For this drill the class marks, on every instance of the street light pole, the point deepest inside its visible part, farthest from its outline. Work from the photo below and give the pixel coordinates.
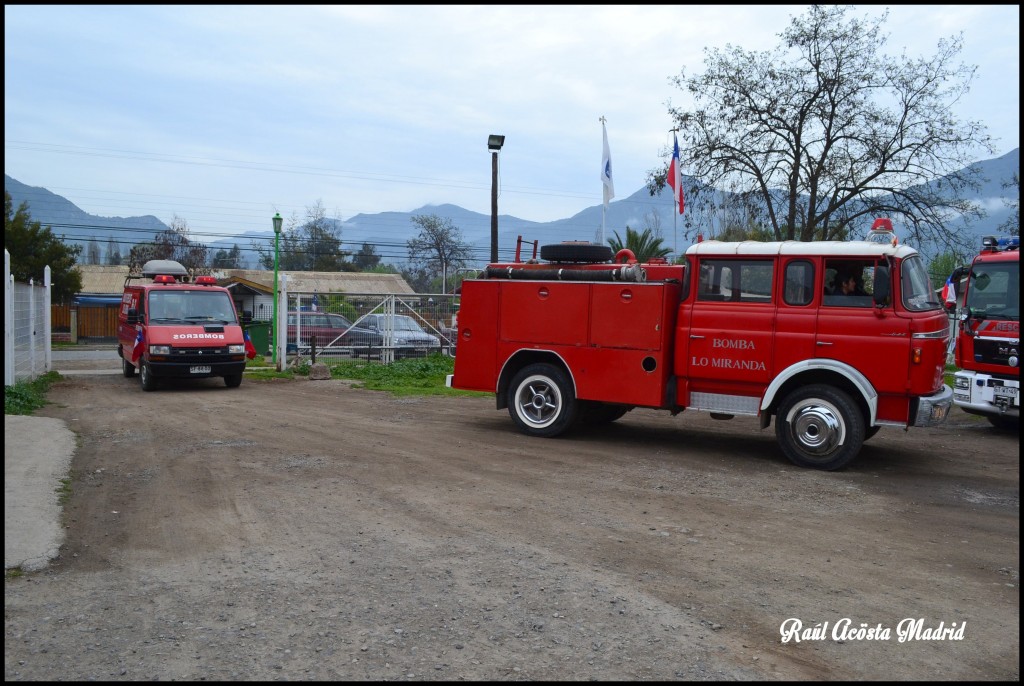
(277, 234)
(494, 143)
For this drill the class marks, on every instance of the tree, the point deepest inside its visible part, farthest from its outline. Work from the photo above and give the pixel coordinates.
(92, 253)
(113, 255)
(643, 244)
(437, 250)
(172, 244)
(33, 248)
(1012, 223)
(943, 265)
(825, 132)
(367, 258)
(314, 245)
(227, 259)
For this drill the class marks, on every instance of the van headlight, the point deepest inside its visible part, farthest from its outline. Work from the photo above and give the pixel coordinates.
(962, 382)
(236, 349)
(159, 350)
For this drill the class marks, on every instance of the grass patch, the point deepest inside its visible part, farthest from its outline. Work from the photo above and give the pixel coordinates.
(64, 490)
(419, 376)
(25, 397)
(13, 573)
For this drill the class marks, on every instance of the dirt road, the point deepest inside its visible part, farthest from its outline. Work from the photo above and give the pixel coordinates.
(312, 530)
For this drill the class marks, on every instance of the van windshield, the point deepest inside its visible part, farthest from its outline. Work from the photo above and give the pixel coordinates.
(191, 306)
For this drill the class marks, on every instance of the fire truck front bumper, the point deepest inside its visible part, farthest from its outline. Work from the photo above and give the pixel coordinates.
(932, 410)
(983, 394)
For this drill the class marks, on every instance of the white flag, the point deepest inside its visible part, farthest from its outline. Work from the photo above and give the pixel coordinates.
(606, 169)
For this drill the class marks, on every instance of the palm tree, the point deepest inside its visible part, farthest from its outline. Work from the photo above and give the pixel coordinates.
(643, 245)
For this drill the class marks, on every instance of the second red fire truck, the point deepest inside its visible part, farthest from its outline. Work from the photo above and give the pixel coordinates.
(832, 340)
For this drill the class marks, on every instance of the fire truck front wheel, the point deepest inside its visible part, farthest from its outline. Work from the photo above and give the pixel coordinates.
(541, 400)
(820, 427)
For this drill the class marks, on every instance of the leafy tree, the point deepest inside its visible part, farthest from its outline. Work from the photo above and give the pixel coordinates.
(438, 250)
(33, 248)
(227, 259)
(367, 258)
(314, 245)
(823, 133)
(113, 255)
(643, 244)
(172, 244)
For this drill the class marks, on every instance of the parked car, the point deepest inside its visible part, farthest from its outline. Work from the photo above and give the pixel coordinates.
(410, 340)
(332, 333)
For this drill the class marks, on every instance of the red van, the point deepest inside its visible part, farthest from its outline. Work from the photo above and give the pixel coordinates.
(169, 327)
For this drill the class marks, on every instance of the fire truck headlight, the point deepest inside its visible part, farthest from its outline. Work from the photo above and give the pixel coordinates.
(159, 350)
(962, 382)
(236, 349)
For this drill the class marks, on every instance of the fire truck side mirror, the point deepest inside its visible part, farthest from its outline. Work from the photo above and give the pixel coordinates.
(881, 287)
(133, 316)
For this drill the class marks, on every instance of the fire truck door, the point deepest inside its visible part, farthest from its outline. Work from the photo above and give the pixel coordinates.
(875, 342)
(731, 328)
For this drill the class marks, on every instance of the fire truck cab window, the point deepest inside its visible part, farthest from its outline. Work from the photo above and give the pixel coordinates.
(748, 281)
(847, 283)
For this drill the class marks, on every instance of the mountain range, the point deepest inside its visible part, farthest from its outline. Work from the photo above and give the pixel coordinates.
(390, 230)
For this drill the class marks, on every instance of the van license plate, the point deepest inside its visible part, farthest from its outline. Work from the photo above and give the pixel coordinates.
(1007, 391)
(199, 370)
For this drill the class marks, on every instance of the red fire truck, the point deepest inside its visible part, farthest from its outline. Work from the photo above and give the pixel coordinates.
(833, 339)
(169, 327)
(988, 338)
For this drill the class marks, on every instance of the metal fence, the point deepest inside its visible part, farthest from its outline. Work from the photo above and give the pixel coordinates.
(405, 325)
(26, 327)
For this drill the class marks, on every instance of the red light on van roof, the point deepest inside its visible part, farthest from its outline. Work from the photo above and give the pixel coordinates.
(206, 281)
(164, 278)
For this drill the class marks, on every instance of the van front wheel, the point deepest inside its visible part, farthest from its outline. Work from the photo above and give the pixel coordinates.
(233, 380)
(146, 377)
(127, 368)
(819, 427)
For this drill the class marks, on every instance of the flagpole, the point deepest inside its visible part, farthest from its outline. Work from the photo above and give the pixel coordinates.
(675, 217)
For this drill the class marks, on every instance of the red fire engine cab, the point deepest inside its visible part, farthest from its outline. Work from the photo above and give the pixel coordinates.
(169, 327)
(988, 338)
(832, 339)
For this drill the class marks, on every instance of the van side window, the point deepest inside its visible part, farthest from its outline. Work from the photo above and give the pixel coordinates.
(747, 281)
(799, 283)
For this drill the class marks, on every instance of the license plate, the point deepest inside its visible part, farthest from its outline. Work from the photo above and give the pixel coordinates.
(195, 369)
(1005, 391)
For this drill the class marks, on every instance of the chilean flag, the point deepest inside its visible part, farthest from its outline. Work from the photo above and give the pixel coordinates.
(250, 349)
(949, 291)
(137, 348)
(674, 175)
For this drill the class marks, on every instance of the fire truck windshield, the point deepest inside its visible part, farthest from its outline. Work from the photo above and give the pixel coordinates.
(190, 305)
(993, 291)
(918, 294)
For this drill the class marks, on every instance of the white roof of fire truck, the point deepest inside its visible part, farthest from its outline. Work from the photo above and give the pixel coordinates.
(828, 248)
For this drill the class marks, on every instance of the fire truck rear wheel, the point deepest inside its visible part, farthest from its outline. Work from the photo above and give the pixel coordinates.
(127, 368)
(541, 400)
(819, 427)
(146, 378)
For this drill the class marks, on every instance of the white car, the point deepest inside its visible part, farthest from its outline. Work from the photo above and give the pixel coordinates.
(410, 340)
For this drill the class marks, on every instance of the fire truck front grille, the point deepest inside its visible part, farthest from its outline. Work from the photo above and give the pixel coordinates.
(995, 351)
(199, 355)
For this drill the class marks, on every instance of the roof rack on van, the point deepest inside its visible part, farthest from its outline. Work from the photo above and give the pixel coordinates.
(153, 269)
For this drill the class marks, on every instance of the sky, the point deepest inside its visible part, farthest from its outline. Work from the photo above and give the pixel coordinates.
(223, 115)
